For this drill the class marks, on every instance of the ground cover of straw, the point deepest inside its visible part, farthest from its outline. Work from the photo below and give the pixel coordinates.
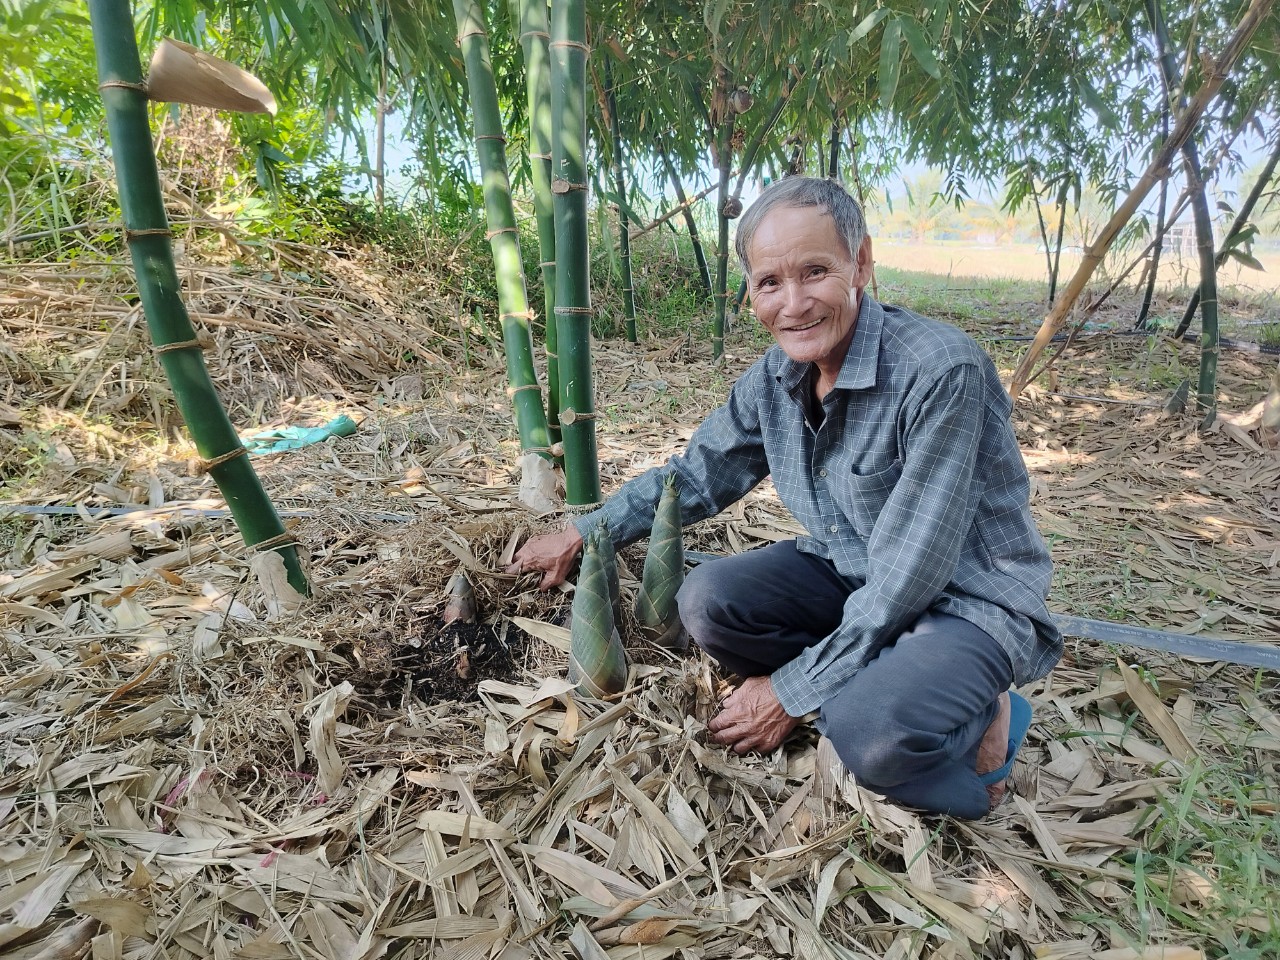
(190, 769)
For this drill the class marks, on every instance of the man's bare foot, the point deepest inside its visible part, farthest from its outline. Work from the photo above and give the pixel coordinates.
(994, 749)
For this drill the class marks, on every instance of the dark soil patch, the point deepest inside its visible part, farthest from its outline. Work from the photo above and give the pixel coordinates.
(447, 661)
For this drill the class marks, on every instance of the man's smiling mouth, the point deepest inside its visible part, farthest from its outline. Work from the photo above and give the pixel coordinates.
(807, 326)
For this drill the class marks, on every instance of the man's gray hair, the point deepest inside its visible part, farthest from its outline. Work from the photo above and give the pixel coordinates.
(821, 192)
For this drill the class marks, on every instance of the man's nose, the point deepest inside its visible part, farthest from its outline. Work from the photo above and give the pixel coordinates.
(794, 300)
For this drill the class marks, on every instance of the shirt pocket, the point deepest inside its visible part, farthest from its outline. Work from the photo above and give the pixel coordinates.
(864, 495)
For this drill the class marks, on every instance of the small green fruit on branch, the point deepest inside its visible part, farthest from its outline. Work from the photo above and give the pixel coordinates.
(597, 662)
(663, 574)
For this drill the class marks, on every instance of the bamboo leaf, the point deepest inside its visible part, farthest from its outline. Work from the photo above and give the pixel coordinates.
(920, 49)
(868, 24)
(890, 61)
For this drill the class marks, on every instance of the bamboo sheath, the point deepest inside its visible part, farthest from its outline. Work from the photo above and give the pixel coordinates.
(151, 250)
(535, 34)
(656, 607)
(573, 294)
(504, 240)
(597, 661)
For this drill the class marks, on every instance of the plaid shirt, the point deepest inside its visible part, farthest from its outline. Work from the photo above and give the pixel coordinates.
(912, 486)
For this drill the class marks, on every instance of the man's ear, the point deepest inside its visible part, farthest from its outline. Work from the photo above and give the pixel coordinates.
(865, 261)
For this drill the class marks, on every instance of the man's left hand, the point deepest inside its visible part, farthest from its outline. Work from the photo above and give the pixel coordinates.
(751, 718)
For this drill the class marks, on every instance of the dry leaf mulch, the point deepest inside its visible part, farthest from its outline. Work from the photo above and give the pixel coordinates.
(188, 771)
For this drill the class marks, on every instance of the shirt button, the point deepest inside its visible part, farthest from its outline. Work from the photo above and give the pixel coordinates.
(822, 472)
(833, 528)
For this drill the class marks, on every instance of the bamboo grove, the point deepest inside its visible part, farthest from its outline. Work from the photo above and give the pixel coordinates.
(608, 99)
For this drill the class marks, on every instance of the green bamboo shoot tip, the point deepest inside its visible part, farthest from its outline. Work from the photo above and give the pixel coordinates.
(609, 559)
(656, 607)
(597, 661)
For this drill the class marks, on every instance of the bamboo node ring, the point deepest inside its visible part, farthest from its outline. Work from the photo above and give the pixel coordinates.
(490, 234)
(131, 235)
(471, 33)
(522, 315)
(571, 44)
(200, 465)
(285, 539)
(571, 311)
(512, 391)
(122, 85)
(163, 348)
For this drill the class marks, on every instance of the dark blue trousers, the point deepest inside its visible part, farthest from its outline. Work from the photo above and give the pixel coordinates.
(908, 725)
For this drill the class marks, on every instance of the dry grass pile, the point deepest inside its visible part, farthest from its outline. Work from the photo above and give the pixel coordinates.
(281, 322)
(185, 771)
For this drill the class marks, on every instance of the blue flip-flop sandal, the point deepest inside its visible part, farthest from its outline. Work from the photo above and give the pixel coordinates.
(1019, 724)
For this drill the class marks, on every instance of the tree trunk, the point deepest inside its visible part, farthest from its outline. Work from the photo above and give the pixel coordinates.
(1044, 236)
(689, 221)
(620, 187)
(1157, 241)
(380, 142)
(151, 250)
(723, 135)
(862, 198)
(504, 237)
(1057, 246)
(1206, 392)
(534, 36)
(1094, 253)
(833, 157)
(573, 278)
(1237, 225)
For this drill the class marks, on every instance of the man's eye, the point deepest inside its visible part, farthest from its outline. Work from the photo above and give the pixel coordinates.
(817, 271)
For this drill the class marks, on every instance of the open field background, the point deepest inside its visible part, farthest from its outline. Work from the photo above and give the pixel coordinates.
(1021, 261)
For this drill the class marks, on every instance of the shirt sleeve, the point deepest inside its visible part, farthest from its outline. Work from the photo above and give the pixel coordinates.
(724, 460)
(915, 543)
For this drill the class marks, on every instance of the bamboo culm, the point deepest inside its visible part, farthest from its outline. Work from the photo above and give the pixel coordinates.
(1206, 393)
(534, 29)
(151, 250)
(573, 268)
(698, 254)
(620, 186)
(504, 238)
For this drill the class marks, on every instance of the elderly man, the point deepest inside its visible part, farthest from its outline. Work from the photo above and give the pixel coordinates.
(917, 597)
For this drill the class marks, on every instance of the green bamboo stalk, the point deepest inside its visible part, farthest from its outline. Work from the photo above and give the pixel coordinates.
(573, 270)
(597, 661)
(535, 33)
(620, 187)
(1237, 227)
(151, 250)
(703, 271)
(656, 607)
(1206, 392)
(723, 159)
(504, 238)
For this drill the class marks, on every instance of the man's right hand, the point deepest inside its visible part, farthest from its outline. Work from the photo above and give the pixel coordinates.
(552, 553)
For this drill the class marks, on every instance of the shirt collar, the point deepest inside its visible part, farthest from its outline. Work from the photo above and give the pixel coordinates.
(858, 371)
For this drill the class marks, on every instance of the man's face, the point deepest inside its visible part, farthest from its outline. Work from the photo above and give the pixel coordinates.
(804, 287)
